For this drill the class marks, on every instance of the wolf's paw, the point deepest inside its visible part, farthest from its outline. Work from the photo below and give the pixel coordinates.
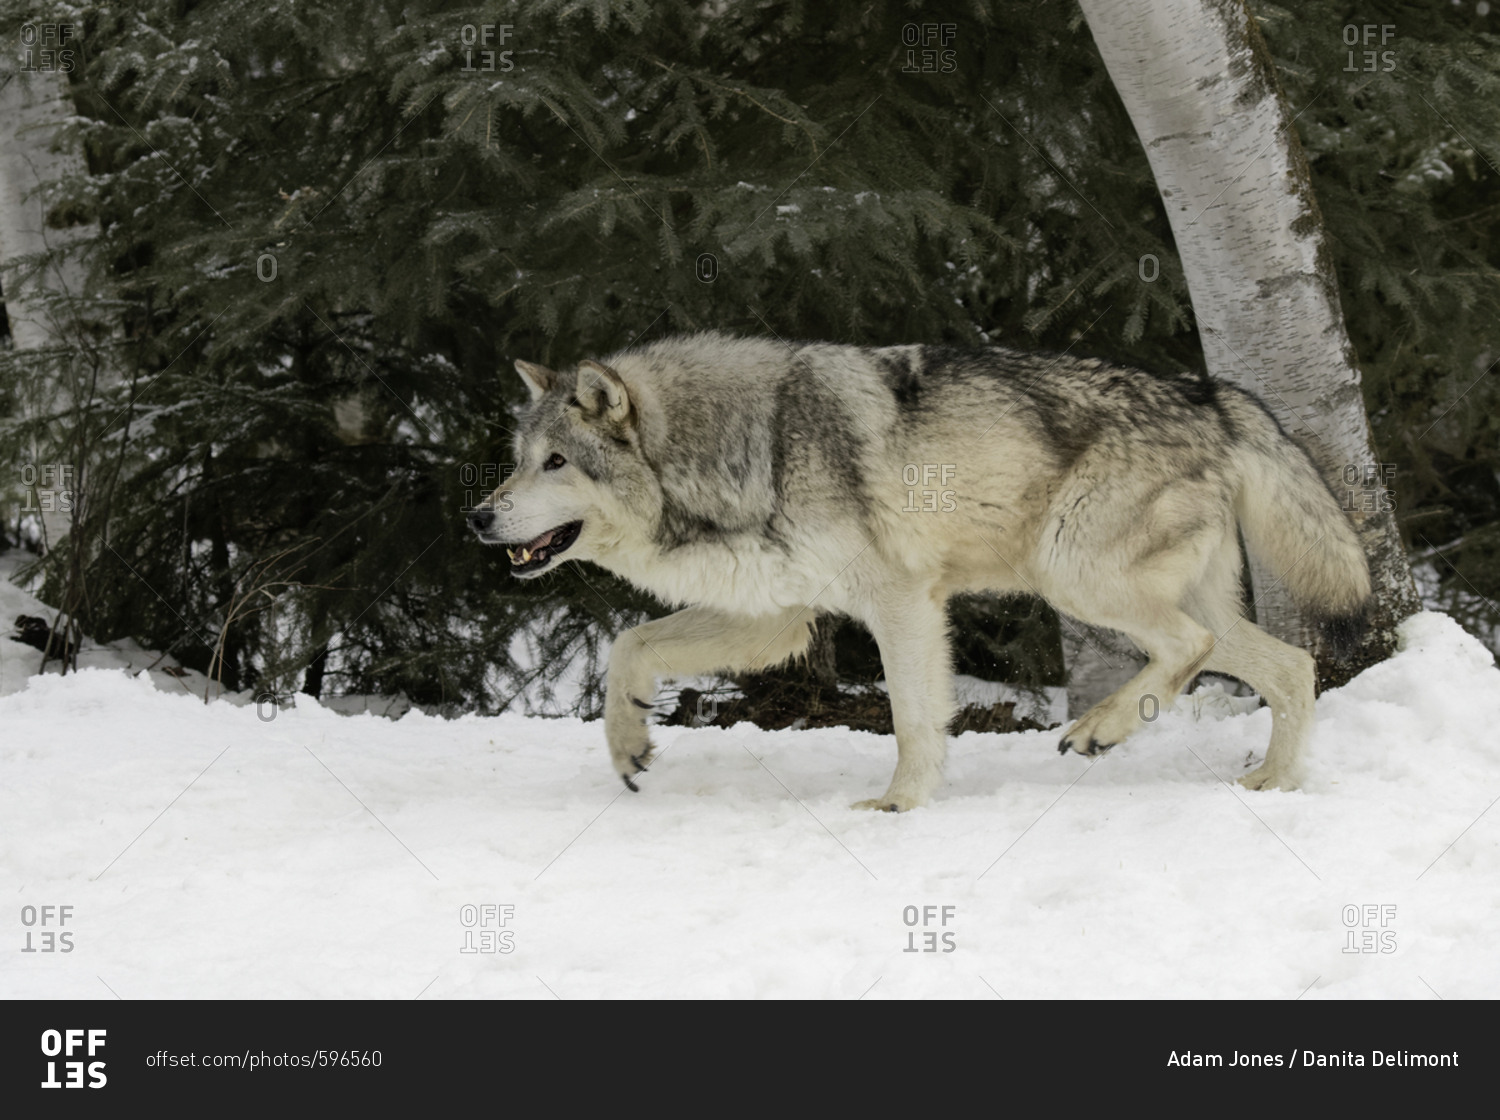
(890, 803)
(632, 764)
(1099, 729)
(1264, 777)
(630, 747)
(1084, 738)
(1089, 748)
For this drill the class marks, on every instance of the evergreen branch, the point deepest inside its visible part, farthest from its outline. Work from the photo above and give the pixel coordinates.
(705, 80)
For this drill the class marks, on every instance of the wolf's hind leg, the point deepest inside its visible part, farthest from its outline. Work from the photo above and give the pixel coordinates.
(1283, 675)
(1144, 599)
(1177, 647)
(690, 642)
(911, 629)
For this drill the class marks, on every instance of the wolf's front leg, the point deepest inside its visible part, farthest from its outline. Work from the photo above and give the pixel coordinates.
(688, 643)
(629, 687)
(911, 628)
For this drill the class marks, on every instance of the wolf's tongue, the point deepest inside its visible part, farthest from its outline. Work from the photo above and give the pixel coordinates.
(541, 541)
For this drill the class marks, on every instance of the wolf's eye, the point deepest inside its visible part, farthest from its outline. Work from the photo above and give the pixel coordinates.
(553, 462)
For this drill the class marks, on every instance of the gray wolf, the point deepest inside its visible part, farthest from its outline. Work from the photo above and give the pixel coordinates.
(758, 484)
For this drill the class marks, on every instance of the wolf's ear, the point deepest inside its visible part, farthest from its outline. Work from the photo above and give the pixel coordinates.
(601, 392)
(538, 378)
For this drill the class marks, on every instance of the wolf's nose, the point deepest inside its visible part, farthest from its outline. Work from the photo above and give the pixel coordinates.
(481, 519)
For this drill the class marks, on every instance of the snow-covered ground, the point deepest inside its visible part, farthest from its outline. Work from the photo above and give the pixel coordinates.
(221, 850)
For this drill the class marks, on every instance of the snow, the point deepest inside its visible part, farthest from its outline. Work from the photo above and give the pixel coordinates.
(227, 851)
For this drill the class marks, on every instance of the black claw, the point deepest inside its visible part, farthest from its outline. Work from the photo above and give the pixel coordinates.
(631, 786)
(639, 765)
(1065, 746)
(640, 703)
(891, 808)
(1097, 748)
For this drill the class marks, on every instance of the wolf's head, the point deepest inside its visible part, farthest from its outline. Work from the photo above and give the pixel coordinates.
(581, 487)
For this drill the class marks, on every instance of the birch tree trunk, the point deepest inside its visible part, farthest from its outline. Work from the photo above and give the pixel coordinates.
(1197, 80)
(33, 104)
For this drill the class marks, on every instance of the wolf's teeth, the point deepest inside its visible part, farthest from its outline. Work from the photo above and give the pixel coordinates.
(511, 553)
(526, 556)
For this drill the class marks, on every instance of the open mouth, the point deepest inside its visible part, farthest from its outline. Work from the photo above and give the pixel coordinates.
(535, 554)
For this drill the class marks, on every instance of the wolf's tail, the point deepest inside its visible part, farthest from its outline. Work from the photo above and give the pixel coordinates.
(1295, 526)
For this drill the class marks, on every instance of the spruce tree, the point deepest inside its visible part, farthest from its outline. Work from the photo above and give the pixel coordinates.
(326, 233)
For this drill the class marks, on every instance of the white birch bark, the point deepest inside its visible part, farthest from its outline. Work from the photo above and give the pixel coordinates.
(33, 104)
(1197, 80)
